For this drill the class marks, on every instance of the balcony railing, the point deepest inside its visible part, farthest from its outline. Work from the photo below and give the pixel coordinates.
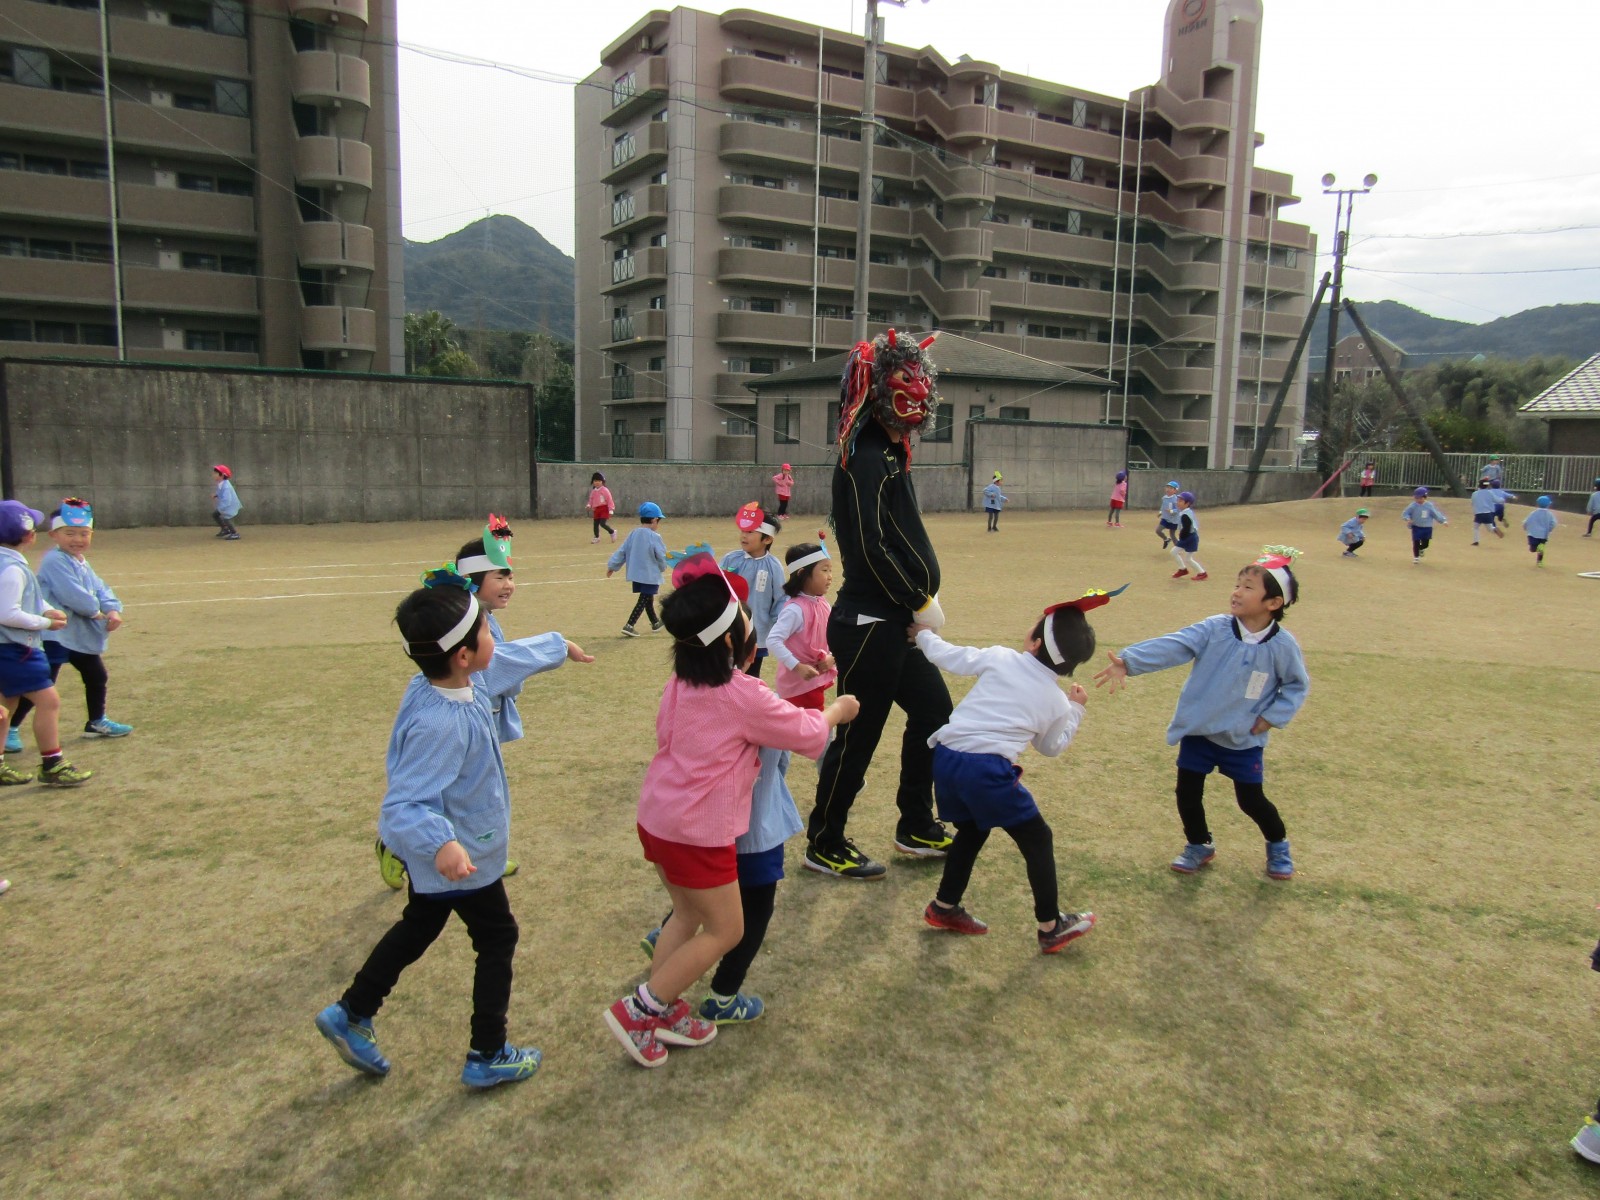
(622, 387)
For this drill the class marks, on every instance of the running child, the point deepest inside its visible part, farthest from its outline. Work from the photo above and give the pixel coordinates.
(93, 614)
(696, 798)
(226, 504)
(644, 556)
(993, 502)
(600, 506)
(1119, 500)
(1167, 521)
(1420, 515)
(1484, 502)
(447, 791)
(1539, 525)
(1352, 534)
(1016, 702)
(1593, 508)
(798, 639)
(763, 574)
(486, 565)
(1369, 479)
(1249, 678)
(783, 484)
(24, 671)
(1187, 540)
(1501, 498)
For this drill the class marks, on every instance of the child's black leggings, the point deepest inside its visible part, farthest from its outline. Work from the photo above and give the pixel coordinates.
(224, 524)
(645, 604)
(1033, 838)
(92, 669)
(1252, 800)
(757, 902)
(603, 524)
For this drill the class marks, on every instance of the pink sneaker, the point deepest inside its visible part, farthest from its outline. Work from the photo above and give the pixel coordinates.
(678, 1026)
(636, 1030)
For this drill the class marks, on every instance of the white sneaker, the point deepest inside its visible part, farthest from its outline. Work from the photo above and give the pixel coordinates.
(594, 541)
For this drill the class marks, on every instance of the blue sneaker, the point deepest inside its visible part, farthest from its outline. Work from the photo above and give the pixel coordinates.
(1195, 855)
(14, 740)
(509, 1065)
(1279, 864)
(648, 942)
(105, 727)
(353, 1039)
(737, 1009)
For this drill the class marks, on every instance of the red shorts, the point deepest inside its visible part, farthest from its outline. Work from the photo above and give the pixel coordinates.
(601, 513)
(697, 868)
(1117, 504)
(816, 698)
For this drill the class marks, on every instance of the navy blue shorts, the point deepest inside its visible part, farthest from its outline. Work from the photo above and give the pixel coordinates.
(762, 867)
(646, 589)
(985, 789)
(55, 653)
(1189, 544)
(1202, 755)
(1166, 524)
(1420, 536)
(23, 669)
(1483, 518)
(1499, 512)
(1536, 543)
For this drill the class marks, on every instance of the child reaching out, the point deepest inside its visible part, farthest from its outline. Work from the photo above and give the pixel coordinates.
(695, 801)
(600, 506)
(977, 783)
(1119, 501)
(644, 555)
(799, 637)
(1248, 679)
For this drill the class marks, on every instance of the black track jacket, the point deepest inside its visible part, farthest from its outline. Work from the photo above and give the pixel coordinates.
(890, 570)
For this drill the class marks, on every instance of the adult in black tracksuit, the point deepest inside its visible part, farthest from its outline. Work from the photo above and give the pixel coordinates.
(890, 573)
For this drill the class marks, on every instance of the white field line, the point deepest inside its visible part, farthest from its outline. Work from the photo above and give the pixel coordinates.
(325, 595)
(526, 560)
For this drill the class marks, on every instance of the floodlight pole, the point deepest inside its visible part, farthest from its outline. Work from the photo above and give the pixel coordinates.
(1344, 209)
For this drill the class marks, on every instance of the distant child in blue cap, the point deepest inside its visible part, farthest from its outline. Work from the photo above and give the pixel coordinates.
(1539, 525)
(1420, 514)
(644, 556)
(1167, 522)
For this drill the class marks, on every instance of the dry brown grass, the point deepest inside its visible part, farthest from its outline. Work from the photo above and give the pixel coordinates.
(1408, 1017)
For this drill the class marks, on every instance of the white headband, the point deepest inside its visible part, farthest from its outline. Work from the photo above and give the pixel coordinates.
(1050, 647)
(720, 626)
(1281, 574)
(768, 528)
(476, 563)
(60, 522)
(462, 628)
(816, 556)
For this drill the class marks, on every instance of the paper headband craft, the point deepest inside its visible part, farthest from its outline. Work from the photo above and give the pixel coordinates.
(1277, 561)
(74, 514)
(697, 563)
(751, 519)
(1093, 598)
(820, 554)
(448, 576)
(496, 554)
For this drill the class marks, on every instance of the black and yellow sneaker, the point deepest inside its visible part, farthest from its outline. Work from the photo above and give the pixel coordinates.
(932, 842)
(842, 862)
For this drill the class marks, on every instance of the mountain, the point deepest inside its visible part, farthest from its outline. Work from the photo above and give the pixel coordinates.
(1566, 330)
(497, 273)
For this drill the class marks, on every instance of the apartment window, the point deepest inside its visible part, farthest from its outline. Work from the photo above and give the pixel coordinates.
(834, 312)
(659, 115)
(884, 258)
(193, 261)
(196, 183)
(12, 246)
(1013, 413)
(880, 190)
(10, 160)
(89, 170)
(786, 425)
(58, 332)
(762, 366)
(50, 248)
(1290, 258)
(766, 243)
(93, 252)
(1044, 331)
(977, 412)
(233, 264)
(236, 187)
(227, 18)
(834, 252)
(992, 327)
(994, 272)
(837, 193)
(658, 424)
(659, 177)
(1075, 168)
(658, 363)
(761, 304)
(1080, 112)
(97, 335)
(241, 343)
(202, 339)
(657, 303)
(14, 329)
(658, 239)
(190, 102)
(44, 164)
(30, 68)
(942, 431)
(878, 316)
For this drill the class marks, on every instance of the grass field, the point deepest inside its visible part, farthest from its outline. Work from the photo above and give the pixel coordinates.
(1406, 1018)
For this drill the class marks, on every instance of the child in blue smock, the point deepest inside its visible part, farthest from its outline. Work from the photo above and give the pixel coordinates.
(644, 556)
(993, 501)
(446, 792)
(1353, 534)
(1420, 515)
(1539, 525)
(1485, 500)
(755, 563)
(226, 504)
(1248, 679)
(1167, 521)
(1592, 508)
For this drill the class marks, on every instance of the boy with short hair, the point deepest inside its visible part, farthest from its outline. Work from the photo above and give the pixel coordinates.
(24, 671)
(1167, 522)
(446, 791)
(755, 563)
(644, 556)
(1352, 534)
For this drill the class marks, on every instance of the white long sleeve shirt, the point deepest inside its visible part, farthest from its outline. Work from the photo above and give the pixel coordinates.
(1017, 701)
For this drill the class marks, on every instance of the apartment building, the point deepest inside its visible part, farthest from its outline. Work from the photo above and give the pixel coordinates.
(201, 181)
(717, 172)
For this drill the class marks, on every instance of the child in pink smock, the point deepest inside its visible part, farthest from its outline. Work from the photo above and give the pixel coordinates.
(1119, 501)
(783, 481)
(798, 639)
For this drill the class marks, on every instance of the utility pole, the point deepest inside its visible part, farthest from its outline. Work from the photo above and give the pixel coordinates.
(1344, 209)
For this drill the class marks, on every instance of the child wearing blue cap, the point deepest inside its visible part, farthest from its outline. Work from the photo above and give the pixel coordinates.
(1539, 525)
(24, 671)
(1167, 522)
(1187, 541)
(1420, 514)
(643, 555)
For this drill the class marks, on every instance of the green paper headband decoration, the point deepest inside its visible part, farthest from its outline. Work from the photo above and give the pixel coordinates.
(496, 554)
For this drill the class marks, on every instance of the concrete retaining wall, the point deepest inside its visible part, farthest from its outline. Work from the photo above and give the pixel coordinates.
(138, 442)
(1214, 489)
(1046, 466)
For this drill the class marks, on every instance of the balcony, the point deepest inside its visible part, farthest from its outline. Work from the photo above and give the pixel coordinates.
(168, 47)
(203, 134)
(634, 210)
(336, 244)
(66, 30)
(332, 327)
(333, 162)
(1180, 277)
(56, 197)
(950, 304)
(637, 328)
(632, 271)
(752, 204)
(637, 152)
(1273, 324)
(1175, 327)
(188, 291)
(956, 180)
(51, 281)
(1169, 431)
(335, 12)
(957, 123)
(974, 243)
(1194, 381)
(743, 265)
(1190, 114)
(767, 329)
(637, 89)
(53, 115)
(1049, 298)
(650, 386)
(160, 209)
(324, 77)
(1031, 242)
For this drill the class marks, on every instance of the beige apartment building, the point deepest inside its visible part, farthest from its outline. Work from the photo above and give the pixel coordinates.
(201, 181)
(1132, 239)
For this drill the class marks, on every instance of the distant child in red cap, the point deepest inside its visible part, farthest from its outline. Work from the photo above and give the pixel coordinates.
(227, 503)
(783, 481)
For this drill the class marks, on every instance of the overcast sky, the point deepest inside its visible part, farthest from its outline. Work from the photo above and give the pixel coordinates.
(1476, 115)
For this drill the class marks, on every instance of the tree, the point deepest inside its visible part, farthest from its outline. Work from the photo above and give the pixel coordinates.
(451, 364)
(553, 409)
(428, 335)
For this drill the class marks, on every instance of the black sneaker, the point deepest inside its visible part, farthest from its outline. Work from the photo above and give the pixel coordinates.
(655, 626)
(842, 862)
(1069, 927)
(932, 842)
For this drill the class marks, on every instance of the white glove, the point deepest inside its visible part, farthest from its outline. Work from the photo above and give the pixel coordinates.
(930, 614)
